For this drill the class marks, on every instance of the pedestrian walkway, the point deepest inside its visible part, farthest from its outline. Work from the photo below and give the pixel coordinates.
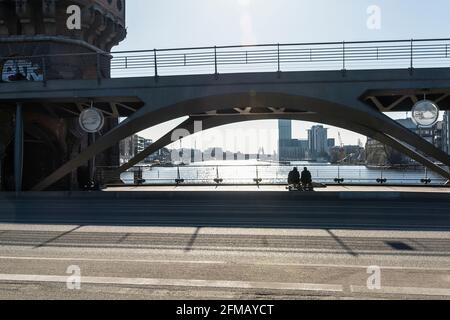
(421, 189)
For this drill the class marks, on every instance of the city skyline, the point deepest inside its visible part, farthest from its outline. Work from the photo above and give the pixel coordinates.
(317, 147)
(249, 22)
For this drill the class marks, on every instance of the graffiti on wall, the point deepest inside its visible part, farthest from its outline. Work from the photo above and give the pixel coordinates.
(20, 70)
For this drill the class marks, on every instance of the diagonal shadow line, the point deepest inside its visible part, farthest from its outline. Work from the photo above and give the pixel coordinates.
(192, 240)
(265, 242)
(420, 244)
(341, 243)
(57, 237)
(123, 238)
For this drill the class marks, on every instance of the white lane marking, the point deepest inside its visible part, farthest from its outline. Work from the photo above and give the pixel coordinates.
(360, 234)
(403, 290)
(273, 232)
(228, 224)
(181, 248)
(217, 262)
(178, 283)
(114, 260)
(35, 227)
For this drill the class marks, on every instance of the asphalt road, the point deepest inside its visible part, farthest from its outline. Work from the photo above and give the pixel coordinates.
(178, 249)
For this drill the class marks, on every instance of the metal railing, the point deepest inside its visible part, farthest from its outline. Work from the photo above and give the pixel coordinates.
(266, 175)
(408, 54)
(287, 57)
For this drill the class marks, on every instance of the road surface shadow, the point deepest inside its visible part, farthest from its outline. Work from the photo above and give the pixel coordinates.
(192, 240)
(400, 246)
(342, 243)
(331, 215)
(46, 243)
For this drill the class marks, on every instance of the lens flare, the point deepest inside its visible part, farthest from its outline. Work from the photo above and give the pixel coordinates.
(244, 3)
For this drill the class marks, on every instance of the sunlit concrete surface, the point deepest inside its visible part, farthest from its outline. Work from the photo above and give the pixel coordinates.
(221, 263)
(229, 248)
(281, 188)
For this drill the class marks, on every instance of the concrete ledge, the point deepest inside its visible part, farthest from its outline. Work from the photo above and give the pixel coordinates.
(229, 195)
(378, 195)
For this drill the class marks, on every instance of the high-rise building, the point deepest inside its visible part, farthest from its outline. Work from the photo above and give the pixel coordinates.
(317, 145)
(132, 146)
(331, 143)
(318, 141)
(36, 40)
(285, 129)
(126, 150)
(295, 149)
(147, 144)
(138, 144)
(284, 139)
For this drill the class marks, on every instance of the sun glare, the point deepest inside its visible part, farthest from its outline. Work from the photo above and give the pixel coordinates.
(244, 3)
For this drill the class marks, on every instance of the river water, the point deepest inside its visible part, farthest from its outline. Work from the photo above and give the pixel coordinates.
(245, 172)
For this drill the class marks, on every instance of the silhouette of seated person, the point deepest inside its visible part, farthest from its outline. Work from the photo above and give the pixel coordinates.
(306, 179)
(294, 178)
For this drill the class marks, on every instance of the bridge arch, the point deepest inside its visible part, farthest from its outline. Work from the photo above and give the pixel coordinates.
(357, 117)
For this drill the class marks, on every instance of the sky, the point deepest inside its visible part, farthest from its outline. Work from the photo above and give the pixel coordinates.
(190, 23)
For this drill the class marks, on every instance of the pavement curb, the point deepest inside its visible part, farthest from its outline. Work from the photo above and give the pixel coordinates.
(228, 195)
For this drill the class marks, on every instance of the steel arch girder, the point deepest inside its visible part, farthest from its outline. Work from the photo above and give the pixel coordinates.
(362, 115)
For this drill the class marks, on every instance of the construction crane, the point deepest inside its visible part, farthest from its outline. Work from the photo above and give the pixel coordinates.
(341, 149)
(341, 144)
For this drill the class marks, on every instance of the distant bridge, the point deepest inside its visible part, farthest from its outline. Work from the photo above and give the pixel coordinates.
(348, 85)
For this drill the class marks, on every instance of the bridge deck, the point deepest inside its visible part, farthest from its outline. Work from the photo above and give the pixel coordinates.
(362, 189)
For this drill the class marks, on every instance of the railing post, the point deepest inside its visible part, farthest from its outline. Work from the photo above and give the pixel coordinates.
(179, 180)
(216, 73)
(156, 64)
(381, 180)
(141, 176)
(412, 57)
(343, 58)
(339, 180)
(257, 180)
(278, 58)
(218, 180)
(426, 180)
